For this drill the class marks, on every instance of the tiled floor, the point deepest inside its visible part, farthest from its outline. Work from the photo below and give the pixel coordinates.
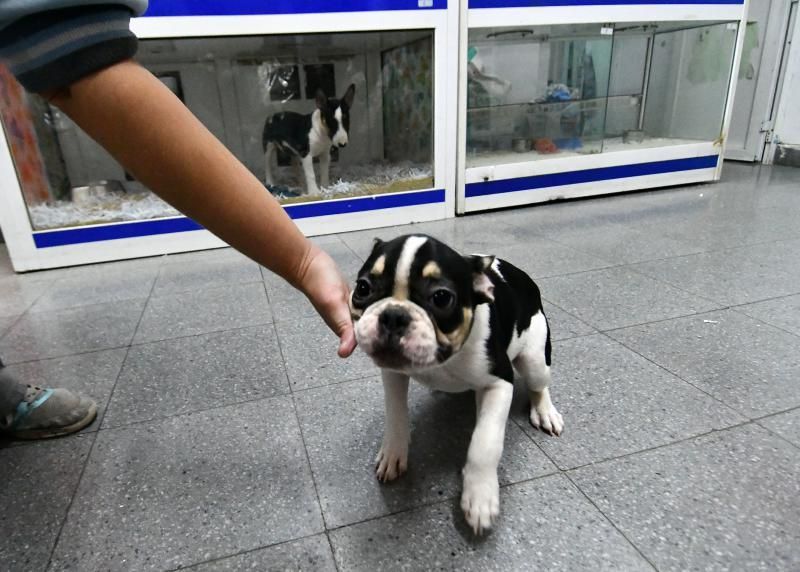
(231, 437)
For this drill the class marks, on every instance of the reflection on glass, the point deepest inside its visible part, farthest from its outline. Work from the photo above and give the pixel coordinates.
(535, 93)
(314, 116)
(688, 86)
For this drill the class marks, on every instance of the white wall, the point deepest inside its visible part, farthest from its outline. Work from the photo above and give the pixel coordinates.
(787, 121)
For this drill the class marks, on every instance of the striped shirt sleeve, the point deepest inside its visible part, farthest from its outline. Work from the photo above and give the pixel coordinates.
(52, 49)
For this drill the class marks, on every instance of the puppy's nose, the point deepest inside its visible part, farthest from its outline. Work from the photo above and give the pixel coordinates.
(394, 321)
(343, 144)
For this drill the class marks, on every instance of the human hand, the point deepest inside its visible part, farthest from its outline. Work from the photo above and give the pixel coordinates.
(323, 284)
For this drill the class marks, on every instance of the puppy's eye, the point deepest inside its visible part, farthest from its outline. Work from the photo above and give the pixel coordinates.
(363, 288)
(443, 299)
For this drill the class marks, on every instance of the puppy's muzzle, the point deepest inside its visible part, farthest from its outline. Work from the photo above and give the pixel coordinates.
(393, 323)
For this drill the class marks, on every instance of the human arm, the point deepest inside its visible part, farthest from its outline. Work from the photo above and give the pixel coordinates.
(157, 139)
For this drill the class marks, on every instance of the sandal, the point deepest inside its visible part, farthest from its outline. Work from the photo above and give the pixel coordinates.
(46, 413)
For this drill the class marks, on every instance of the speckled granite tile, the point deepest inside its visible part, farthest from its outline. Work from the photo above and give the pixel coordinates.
(750, 366)
(190, 489)
(43, 335)
(545, 524)
(166, 378)
(726, 501)
(787, 425)
(781, 312)
(343, 428)
(617, 297)
(38, 481)
(203, 311)
(616, 402)
(309, 353)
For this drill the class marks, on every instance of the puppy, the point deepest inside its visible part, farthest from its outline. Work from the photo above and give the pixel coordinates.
(308, 136)
(454, 323)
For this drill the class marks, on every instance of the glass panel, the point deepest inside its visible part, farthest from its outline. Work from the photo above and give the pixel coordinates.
(536, 92)
(688, 86)
(263, 97)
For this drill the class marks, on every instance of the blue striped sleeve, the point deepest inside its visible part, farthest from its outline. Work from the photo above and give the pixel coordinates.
(50, 50)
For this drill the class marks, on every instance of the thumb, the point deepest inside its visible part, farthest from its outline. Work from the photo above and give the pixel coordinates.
(347, 340)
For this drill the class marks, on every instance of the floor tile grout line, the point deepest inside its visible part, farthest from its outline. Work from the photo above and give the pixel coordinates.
(243, 552)
(557, 471)
(167, 293)
(660, 320)
(25, 312)
(568, 313)
(17, 318)
(611, 522)
(657, 447)
(64, 356)
(764, 322)
(135, 344)
(770, 299)
(537, 445)
(774, 433)
(663, 235)
(286, 393)
(300, 431)
(351, 249)
(309, 465)
(431, 503)
(127, 353)
(768, 415)
(677, 287)
(676, 375)
(65, 518)
(159, 419)
(778, 435)
(333, 551)
(681, 288)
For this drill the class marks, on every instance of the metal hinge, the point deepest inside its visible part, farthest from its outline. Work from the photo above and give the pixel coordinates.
(766, 127)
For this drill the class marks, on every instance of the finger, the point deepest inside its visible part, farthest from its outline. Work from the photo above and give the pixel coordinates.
(347, 341)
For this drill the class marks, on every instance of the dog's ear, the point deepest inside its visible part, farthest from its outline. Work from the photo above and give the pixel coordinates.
(321, 99)
(481, 284)
(376, 244)
(348, 96)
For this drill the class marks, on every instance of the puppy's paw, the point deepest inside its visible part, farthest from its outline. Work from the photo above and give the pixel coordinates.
(480, 500)
(546, 417)
(391, 462)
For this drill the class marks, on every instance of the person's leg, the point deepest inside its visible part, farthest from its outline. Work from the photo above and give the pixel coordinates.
(31, 412)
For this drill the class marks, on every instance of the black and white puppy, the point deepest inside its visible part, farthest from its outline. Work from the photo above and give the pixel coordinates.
(454, 323)
(308, 136)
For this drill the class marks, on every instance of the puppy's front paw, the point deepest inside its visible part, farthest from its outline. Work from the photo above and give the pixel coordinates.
(480, 500)
(546, 417)
(391, 462)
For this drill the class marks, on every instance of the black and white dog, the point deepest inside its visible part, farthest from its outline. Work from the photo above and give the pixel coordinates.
(454, 323)
(309, 136)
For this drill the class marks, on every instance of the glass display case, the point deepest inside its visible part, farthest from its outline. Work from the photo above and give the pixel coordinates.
(340, 127)
(565, 109)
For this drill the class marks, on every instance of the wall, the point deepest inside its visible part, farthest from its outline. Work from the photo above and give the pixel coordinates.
(787, 120)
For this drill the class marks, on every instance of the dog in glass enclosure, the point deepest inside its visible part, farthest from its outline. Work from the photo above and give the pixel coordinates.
(306, 137)
(454, 323)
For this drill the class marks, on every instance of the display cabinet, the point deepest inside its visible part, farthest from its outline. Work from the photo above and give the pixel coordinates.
(561, 100)
(260, 77)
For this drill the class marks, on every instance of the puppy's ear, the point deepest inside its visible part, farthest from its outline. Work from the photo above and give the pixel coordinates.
(481, 284)
(321, 99)
(377, 243)
(349, 95)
